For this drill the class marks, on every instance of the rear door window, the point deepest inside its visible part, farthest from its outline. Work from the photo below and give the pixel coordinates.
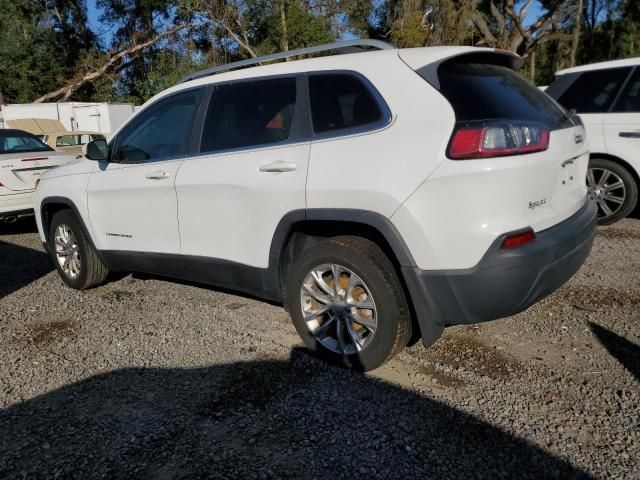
(341, 101)
(479, 91)
(595, 91)
(249, 114)
(629, 101)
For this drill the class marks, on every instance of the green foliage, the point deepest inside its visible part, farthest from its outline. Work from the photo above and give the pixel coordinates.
(46, 45)
(409, 31)
(39, 52)
(301, 28)
(419, 23)
(163, 70)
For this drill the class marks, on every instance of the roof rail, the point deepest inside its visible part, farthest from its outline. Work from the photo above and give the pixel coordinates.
(345, 45)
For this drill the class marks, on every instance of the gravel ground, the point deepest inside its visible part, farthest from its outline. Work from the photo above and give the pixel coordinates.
(147, 378)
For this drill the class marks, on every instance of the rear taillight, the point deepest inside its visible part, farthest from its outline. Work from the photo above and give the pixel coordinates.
(519, 239)
(497, 139)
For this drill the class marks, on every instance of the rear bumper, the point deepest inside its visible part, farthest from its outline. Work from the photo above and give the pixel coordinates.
(16, 204)
(504, 282)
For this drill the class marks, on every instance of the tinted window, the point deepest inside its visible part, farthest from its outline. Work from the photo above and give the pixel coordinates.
(162, 131)
(249, 114)
(341, 101)
(487, 92)
(629, 101)
(593, 92)
(12, 143)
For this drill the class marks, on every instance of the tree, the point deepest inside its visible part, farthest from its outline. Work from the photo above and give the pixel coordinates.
(418, 23)
(41, 46)
(502, 25)
(114, 62)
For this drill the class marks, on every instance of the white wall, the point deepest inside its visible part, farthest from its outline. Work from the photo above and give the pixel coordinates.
(33, 110)
(100, 117)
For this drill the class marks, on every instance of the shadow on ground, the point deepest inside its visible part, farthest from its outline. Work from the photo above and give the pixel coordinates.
(22, 225)
(19, 266)
(263, 419)
(626, 352)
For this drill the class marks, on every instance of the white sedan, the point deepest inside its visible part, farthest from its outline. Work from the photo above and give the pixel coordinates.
(23, 158)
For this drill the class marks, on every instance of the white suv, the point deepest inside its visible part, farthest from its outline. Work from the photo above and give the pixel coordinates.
(380, 195)
(607, 97)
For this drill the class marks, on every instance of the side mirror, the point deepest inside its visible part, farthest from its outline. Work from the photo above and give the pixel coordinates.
(96, 149)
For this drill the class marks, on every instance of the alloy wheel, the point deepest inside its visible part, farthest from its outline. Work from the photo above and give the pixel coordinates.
(67, 251)
(607, 190)
(338, 309)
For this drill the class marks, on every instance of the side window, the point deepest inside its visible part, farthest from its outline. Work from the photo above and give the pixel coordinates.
(66, 141)
(340, 101)
(593, 92)
(629, 101)
(162, 131)
(249, 114)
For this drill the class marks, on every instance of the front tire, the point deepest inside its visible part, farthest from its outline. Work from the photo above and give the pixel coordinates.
(73, 254)
(613, 188)
(360, 321)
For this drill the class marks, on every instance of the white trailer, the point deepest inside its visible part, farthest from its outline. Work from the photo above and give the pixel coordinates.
(96, 117)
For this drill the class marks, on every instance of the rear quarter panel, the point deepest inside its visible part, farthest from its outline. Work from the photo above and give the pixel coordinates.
(378, 170)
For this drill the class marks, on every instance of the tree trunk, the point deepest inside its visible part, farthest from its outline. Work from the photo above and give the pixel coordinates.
(576, 33)
(532, 64)
(284, 41)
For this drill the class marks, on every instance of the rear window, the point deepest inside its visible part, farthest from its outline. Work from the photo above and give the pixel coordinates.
(22, 143)
(489, 92)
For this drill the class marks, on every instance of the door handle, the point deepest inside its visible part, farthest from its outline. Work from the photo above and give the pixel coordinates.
(629, 134)
(279, 167)
(158, 175)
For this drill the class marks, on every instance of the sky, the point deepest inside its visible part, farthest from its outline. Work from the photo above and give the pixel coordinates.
(93, 14)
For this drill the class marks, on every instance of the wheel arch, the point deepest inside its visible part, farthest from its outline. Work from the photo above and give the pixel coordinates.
(49, 206)
(302, 229)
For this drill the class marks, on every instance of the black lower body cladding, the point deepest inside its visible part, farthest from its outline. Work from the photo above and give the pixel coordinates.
(505, 281)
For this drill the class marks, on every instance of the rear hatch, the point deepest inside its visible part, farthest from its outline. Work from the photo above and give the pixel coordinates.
(515, 119)
(20, 170)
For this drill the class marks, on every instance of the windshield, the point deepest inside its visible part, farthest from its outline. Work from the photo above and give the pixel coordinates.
(13, 143)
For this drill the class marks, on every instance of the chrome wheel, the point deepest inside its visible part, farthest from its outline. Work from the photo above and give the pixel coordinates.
(607, 190)
(67, 251)
(338, 309)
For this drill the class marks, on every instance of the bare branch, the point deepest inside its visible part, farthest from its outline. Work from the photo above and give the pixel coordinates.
(499, 18)
(236, 37)
(480, 22)
(112, 63)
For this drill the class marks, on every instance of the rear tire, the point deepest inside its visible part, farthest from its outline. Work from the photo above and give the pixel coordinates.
(369, 292)
(613, 188)
(72, 253)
